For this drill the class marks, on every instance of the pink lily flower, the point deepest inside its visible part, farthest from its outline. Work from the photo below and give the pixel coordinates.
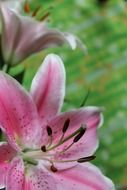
(22, 36)
(46, 149)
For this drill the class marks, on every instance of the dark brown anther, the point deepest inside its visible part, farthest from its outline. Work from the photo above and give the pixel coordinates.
(36, 11)
(49, 131)
(53, 169)
(66, 125)
(86, 159)
(80, 134)
(45, 16)
(43, 148)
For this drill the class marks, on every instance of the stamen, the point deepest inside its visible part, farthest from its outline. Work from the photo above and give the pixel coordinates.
(66, 148)
(80, 135)
(43, 148)
(76, 139)
(49, 131)
(26, 6)
(65, 128)
(36, 11)
(80, 160)
(86, 159)
(66, 125)
(53, 168)
(45, 16)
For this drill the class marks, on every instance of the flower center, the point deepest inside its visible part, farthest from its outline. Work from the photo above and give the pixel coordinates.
(47, 153)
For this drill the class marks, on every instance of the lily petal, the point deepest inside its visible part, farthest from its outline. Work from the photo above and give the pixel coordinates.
(25, 36)
(12, 4)
(6, 152)
(48, 87)
(82, 177)
(91, 117)
(38, 179)
(3, 173)
(9, 32)
(15, 176)
(18, 114)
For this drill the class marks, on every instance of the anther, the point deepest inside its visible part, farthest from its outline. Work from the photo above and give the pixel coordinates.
(43, 148)
(45, 16)
(86, 159)
(53, 169)
(36, 11)
(26, 6)
(80, 134)
(49, 131)
(66, 125)
(65, 128)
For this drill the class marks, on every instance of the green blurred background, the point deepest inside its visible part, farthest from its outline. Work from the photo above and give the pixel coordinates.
(102, 26)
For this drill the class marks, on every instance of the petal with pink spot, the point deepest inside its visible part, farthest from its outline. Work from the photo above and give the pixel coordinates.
(38, 179)
(82, 177)
(6, 152)
(18, 114)
(15, 176)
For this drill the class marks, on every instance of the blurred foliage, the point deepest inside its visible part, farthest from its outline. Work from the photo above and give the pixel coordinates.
(102, 26)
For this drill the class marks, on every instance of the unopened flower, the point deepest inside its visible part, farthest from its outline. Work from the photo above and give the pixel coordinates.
(22, 36)
(47, 149)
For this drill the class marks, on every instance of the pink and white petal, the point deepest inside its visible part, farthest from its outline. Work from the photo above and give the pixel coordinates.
(83, 177)
(38, 179)
(18, 114)
(9, 32)
(18, 42)
(48, 87)
(75, 42)
(16, 34)
(40, 38)
(12, 4)
(3, 173)
(29, 40)
(52, 37)
(91, 117)
(6, 152)
(15, 175)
